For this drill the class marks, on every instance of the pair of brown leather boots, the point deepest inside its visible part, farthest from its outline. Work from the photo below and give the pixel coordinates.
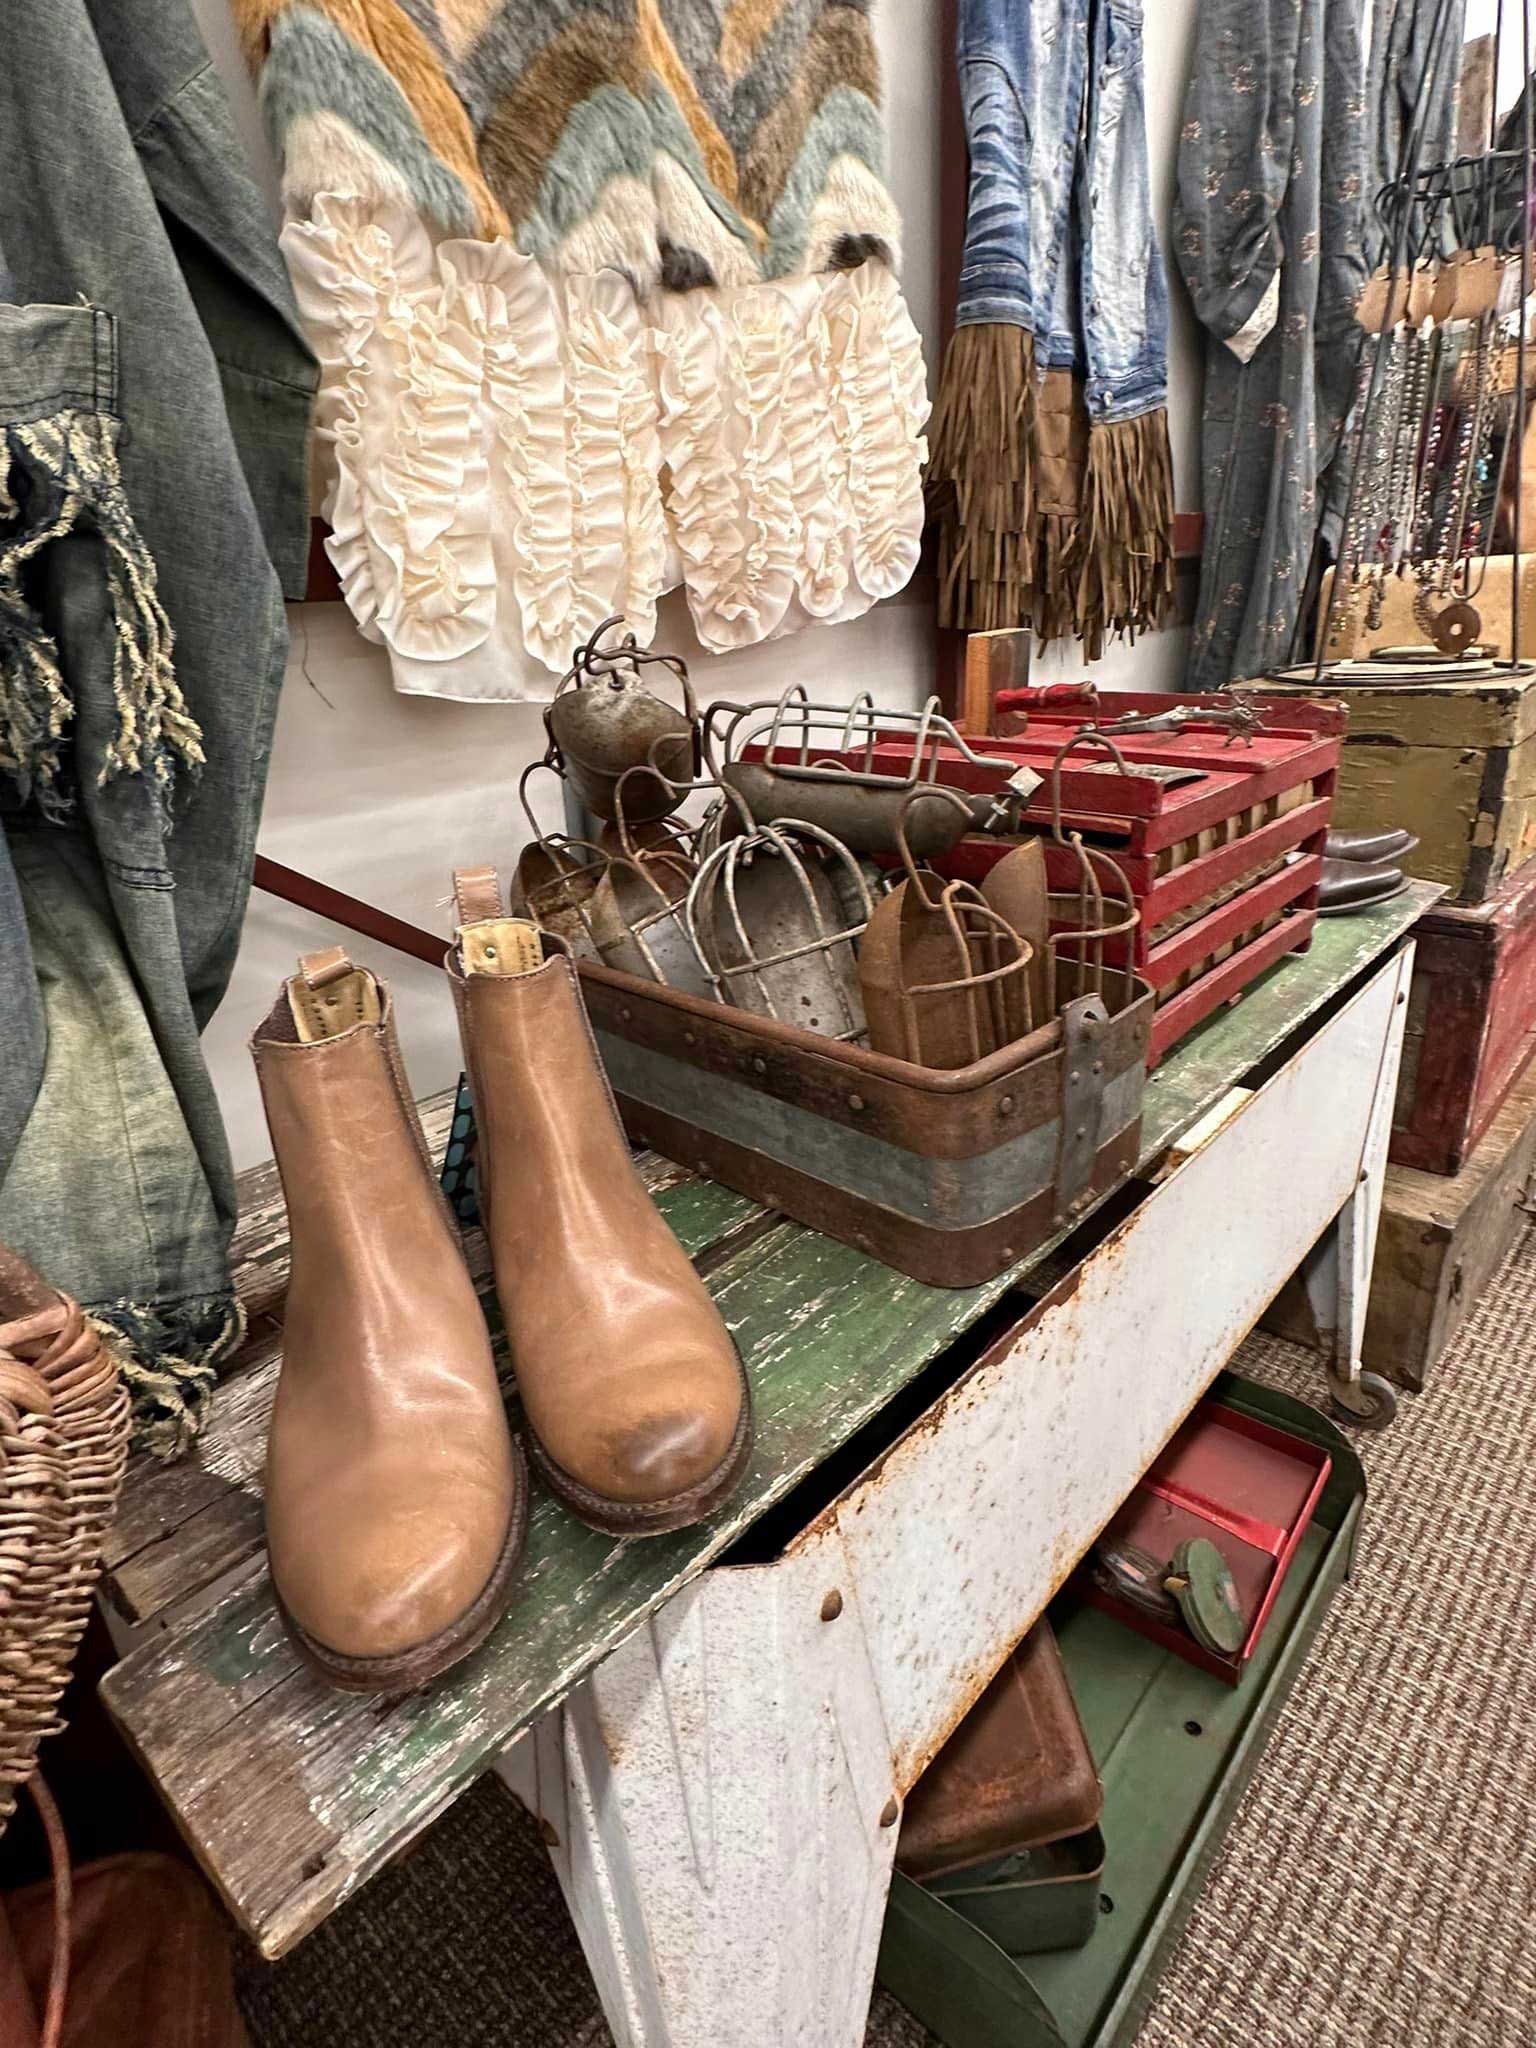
(397, 1498)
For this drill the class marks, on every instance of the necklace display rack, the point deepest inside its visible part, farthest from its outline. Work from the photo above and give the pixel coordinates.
(1437, 429)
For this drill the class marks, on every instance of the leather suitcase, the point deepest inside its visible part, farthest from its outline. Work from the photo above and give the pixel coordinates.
(1471, 1024)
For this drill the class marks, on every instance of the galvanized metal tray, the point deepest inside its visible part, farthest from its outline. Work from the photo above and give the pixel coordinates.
(1175, 1748)
(947, 1176)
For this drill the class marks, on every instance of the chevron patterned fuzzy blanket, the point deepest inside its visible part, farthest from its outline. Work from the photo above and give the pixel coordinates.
(644, 251)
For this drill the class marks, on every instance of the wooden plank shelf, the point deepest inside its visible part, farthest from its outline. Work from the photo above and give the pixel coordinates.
(292, 1794)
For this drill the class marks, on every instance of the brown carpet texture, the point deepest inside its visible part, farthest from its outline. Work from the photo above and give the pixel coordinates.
(1377, 1887)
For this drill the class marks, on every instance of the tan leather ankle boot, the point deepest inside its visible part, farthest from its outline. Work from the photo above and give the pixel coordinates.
(397, 1503)
(637, 1406)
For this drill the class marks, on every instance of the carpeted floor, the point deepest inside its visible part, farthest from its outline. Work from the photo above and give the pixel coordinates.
(1377, 1888)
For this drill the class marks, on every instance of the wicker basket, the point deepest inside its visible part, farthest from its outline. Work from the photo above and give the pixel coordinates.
(64, 1425)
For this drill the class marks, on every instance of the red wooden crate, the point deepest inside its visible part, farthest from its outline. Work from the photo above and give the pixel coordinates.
(1224, 866)
(1136, 815)
(1471, 1023)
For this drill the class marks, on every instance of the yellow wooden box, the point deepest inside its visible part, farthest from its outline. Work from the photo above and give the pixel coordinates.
(1453, 761)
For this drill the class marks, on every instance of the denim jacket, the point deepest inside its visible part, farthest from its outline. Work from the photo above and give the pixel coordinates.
(154, 403)
(1059, 235)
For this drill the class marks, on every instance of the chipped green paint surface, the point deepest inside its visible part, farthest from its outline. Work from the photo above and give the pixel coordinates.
(293, 1795)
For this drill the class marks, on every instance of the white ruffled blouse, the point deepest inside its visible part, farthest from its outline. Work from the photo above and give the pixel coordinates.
(508, 459)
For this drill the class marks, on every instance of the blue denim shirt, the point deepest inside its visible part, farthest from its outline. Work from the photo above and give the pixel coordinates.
(1059, 236)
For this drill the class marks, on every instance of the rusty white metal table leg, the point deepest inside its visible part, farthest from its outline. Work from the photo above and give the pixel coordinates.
(1337, 1271)
(722, 1796)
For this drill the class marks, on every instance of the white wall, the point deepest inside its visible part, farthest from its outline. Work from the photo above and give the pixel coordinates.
(382, 795)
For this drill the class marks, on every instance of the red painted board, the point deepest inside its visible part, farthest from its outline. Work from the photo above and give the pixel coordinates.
(1471, 1024)
(1159, 896)
(1223, 984)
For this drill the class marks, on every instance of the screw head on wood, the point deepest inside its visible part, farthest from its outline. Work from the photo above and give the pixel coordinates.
(855, 1102)
(759, 1065)
(625, 1015)
(832, 1606)
(1005, 1107)
(890, 1813)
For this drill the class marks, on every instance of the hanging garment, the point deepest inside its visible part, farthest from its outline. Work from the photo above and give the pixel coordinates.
(1051, 475)
(605, 297)
(1414, 95)
(154, 398)
(1268, 222)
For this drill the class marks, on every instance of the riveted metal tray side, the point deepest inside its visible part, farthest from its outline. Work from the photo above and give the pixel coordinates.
(948, 1177)
(942, 1115)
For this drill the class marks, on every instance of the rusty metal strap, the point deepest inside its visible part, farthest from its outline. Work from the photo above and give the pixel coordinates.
(1082, 1103)
(349, 911)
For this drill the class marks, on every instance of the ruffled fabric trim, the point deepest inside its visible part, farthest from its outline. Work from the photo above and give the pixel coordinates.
(399, 396)
(792, 418)
(508, 460)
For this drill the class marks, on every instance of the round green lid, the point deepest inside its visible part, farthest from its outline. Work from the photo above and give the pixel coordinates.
(1201, 1581)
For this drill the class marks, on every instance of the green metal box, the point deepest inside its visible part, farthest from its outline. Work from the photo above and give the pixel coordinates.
(1175, 1747)
(1034, 1900)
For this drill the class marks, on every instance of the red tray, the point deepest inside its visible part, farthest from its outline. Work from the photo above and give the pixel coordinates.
(1247, 1486)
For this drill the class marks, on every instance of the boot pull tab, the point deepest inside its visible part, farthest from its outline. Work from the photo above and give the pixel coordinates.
(320, 969)
(476, 894)
(329, 995)
(490, 942)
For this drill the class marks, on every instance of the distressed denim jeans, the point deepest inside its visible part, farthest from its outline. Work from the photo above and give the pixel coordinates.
(1059, 234)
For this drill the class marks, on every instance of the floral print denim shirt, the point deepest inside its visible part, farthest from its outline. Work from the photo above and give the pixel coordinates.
(1268, 235)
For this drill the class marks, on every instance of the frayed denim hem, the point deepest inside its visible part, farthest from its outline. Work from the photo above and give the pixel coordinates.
(170, 1353)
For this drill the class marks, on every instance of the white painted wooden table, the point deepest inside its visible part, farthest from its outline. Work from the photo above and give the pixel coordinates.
(722, 1795)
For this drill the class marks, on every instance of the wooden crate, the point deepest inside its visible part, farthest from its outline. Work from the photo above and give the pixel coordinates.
(1440, 1242)
(1454, 762)
(1220, 837)
(1471, 1024)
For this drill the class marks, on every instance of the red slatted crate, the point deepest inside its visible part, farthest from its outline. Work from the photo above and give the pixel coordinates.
(1222, 850)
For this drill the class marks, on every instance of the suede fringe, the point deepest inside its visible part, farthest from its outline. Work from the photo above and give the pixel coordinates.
(1009, 552)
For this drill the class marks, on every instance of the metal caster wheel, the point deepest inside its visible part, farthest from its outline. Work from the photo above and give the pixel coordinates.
(1377, 1399)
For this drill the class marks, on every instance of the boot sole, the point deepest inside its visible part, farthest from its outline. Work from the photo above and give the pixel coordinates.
(652, 1518)
(408, 1670)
